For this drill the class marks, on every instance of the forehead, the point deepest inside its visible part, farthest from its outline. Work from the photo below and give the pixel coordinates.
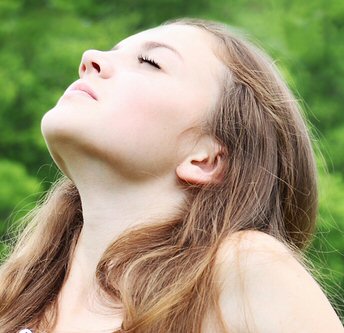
(177, 34)
(195, 45)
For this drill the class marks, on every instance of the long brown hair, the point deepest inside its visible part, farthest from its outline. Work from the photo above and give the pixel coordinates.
(168, 284)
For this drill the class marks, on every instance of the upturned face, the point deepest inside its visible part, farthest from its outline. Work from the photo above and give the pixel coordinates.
(135, 106)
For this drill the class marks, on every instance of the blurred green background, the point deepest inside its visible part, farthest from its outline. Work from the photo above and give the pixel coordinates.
(41, 46)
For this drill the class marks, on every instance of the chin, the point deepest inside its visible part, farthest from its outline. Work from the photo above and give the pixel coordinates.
(52, 124)
(58, 135)
(60, 126)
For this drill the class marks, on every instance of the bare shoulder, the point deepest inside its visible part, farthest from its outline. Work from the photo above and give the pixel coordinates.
(251, 241)
(264, 288)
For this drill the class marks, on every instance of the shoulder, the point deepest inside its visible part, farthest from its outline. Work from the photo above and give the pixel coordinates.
(264, 288)
(251, 241)
(250, 251)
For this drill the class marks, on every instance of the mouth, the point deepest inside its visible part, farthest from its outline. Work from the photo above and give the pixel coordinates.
(85, 88)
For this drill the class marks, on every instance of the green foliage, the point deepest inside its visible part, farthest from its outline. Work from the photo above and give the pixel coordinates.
(42, 42)
(18, 193)
(334, 147)
(327, 248)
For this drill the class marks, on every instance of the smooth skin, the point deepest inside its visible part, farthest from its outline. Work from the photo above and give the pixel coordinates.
(125, 151)
(266, 290)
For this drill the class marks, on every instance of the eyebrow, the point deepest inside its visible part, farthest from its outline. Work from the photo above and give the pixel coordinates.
(153, 45)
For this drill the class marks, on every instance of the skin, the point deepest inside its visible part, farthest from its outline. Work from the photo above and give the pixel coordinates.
(264, 289)
(126, 150)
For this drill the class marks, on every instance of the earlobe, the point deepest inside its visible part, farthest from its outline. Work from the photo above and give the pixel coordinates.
(201, 169)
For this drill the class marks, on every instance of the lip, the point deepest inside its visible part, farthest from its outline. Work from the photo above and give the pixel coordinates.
(83, 87)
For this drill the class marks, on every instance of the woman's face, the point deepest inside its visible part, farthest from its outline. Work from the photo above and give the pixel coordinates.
(138, 118)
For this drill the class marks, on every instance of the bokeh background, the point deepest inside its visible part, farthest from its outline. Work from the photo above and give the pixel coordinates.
(41, 43)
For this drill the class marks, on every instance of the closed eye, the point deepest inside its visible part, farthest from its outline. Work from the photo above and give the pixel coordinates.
(142, 59)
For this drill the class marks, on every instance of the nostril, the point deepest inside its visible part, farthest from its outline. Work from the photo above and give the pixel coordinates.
(96, 66)
(83, 67)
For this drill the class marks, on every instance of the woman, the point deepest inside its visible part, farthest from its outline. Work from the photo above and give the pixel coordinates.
(189, 191)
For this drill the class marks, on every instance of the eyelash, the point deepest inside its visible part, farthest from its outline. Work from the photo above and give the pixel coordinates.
(142, 58)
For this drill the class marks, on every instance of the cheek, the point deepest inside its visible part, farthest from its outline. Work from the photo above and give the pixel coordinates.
(146, 112)
(159, 103)
(143, 122)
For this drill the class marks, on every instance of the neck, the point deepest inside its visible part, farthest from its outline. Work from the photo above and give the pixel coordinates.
(109, 208)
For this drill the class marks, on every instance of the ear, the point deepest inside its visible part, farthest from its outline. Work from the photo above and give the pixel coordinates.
(204, 166)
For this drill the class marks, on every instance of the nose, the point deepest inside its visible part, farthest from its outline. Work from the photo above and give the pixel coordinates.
(95, 62)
